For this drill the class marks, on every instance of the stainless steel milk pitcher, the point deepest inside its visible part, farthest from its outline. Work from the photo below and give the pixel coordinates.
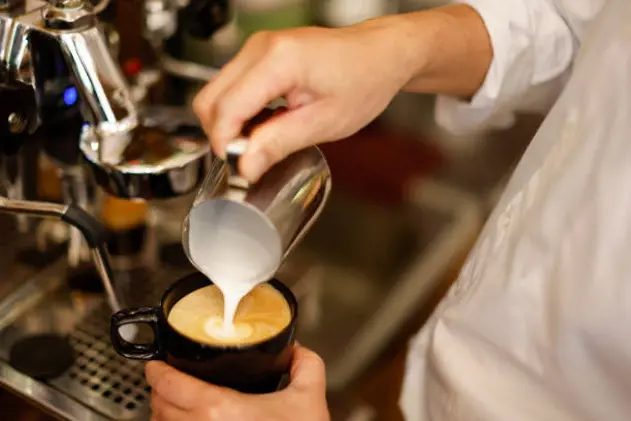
(275, 213)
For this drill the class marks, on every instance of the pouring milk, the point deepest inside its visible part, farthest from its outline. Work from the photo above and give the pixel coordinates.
(237, 248)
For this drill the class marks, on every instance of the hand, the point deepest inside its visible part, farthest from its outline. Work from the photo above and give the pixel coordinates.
(179, 397)
(335, 81)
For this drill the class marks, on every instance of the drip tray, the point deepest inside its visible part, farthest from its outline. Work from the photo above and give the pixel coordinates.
(100, 385)
(110, 383)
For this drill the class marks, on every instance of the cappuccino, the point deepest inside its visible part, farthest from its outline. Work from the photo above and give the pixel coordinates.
(260, 315)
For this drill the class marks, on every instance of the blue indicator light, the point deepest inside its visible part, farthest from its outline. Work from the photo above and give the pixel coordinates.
(70, 96)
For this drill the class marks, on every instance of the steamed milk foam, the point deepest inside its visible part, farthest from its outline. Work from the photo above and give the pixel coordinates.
(235, 248)
(261, 315)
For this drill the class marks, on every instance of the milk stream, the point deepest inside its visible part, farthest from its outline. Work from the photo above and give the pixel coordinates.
(227, 251)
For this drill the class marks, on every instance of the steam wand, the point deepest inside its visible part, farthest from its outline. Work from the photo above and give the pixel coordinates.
(92, 230)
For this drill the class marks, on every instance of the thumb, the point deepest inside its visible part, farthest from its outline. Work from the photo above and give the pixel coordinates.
(286, 133)
(307, 370)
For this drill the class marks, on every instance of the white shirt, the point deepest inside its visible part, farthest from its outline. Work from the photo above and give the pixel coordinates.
(538, 326)
(534, 44)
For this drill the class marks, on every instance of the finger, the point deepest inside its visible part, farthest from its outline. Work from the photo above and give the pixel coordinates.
(205, 101)
(307, 370)
(267, 81)
(177, 388)
(274, 140)
(161, 410)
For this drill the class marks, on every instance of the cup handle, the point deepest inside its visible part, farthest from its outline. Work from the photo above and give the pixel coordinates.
(146, 315)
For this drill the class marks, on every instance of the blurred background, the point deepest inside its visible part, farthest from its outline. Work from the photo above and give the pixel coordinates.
(407, 205)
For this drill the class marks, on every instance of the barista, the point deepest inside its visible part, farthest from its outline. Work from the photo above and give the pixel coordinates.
(511, 341)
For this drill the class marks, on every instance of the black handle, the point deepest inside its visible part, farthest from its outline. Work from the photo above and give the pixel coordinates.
(93, 231)
(146, 315)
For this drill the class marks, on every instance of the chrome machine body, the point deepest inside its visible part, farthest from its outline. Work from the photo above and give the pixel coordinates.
(41, 45)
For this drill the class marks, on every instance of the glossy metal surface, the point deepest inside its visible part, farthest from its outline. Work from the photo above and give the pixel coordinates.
(101, 84)
(289, 197)
(100, 385)
(188, 70)
(101, 261)
(46, 396)
(102, 87)
(165, 156)
(58, 211)
(74, 188)
(161, 168)
(32, 208)
(12, 179)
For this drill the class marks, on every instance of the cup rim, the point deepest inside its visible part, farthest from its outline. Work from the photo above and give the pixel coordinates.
(274, 282)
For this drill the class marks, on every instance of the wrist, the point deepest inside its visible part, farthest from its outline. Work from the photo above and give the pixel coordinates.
(416, 36)
(446, 50)
(402, 42)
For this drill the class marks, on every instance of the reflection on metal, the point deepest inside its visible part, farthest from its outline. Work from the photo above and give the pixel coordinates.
(107, 386)
(101, 259)
(99, 80)
(30, 293)
(59, 211)
(32, 208)
(289, 198)
(100, 385)
(46, 396)
(12, 180)
(187, 69)
(165, 156)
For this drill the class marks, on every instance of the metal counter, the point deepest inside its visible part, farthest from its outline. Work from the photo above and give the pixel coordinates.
(100, 385)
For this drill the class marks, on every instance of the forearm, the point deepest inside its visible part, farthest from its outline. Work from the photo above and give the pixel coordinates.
(447, 49)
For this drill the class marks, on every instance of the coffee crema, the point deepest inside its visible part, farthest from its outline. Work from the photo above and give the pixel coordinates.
(261, 315)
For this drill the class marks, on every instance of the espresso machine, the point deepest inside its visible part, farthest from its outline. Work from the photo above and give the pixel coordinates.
(65, 96)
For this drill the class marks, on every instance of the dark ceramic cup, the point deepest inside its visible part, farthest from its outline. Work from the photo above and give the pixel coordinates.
(259, 368)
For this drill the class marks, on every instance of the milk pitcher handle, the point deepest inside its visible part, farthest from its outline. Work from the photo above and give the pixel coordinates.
(236, 148)
(234, 151)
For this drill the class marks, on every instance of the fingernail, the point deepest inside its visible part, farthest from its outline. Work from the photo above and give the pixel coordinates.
(254, 165)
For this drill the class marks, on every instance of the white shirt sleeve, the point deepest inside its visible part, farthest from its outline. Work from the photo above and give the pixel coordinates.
(533, 49)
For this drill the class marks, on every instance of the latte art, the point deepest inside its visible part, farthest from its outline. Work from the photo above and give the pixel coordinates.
(261, 315)
(216, 328)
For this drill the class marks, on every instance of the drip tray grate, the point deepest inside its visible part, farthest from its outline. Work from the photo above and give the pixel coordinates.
(100, 378)
(100, 384)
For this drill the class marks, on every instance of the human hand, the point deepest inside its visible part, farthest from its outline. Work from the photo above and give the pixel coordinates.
(179, 397)
(335, 81)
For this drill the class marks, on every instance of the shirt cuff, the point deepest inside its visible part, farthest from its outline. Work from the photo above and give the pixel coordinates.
(483, 111)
